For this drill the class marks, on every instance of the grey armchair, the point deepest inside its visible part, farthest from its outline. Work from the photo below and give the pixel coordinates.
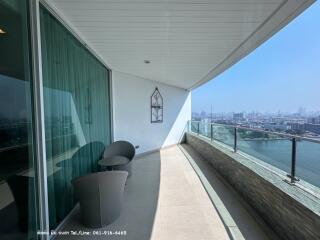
(100, 196)
(121, 148)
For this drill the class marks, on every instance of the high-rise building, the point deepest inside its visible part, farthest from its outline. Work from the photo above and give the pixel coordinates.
(238, 117)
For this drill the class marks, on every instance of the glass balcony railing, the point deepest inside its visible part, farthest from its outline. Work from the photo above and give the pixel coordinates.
(297, 156)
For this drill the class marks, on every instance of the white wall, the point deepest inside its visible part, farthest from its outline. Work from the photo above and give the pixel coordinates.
(131, 112)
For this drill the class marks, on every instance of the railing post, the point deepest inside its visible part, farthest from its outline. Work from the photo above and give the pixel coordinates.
(198, 130)
(293, 161)
(211, 132)
(235, 140)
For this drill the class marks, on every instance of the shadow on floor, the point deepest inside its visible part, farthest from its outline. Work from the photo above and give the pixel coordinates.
(247, 221)
(139, 209)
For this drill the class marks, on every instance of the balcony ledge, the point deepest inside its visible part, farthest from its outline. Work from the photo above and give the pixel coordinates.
(293, 211)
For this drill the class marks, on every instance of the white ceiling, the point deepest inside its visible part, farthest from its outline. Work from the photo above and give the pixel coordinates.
(188, 42)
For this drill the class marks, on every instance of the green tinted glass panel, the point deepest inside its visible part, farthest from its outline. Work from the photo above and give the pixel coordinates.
(77, 113)
(18, 216)
(308, 162)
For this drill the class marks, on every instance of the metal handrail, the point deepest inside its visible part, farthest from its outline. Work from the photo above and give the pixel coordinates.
(293, 138)
(287, 135)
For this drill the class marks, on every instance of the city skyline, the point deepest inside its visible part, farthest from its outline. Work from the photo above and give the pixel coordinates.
(300, 111)
(280, 75)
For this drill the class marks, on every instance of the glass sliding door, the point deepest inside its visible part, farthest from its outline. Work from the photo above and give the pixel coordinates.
(18, 217)
(77, 113)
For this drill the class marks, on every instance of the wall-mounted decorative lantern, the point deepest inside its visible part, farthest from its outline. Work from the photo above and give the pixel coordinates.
(156, 107)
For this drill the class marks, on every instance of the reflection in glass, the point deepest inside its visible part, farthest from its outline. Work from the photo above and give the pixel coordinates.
(194, 126)
(77, 113)
(17, 175)
(223, 134)
(267, 147)
(204, 129)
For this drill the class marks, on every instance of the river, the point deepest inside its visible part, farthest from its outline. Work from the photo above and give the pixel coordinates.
(278, 154)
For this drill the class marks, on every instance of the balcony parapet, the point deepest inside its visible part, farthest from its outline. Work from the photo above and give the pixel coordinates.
(292, 210)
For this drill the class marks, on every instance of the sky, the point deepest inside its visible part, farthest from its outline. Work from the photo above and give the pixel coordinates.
(283, 74)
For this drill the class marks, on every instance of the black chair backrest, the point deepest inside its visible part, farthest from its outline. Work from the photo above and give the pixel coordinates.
(120, 148)
(92, 150)
(86, 159)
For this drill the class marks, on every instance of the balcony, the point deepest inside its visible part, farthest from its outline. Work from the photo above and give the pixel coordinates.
(175, 194)
(284, 193)
(78, 75)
